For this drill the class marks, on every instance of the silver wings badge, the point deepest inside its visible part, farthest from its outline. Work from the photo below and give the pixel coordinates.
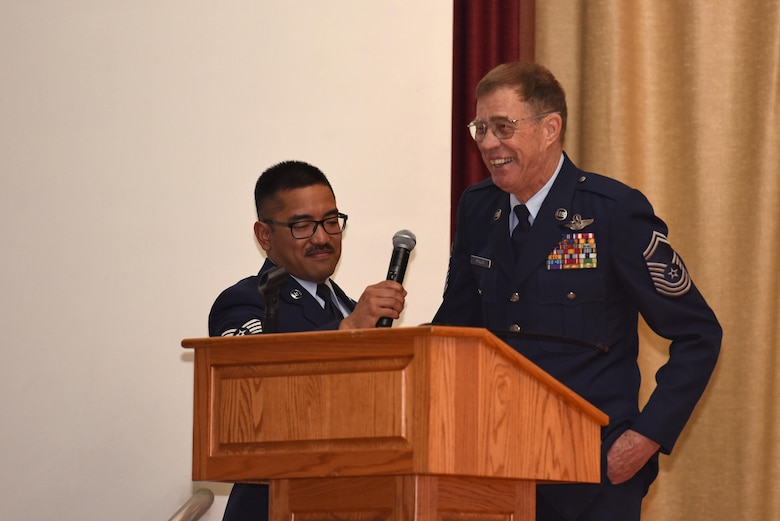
(577, 223)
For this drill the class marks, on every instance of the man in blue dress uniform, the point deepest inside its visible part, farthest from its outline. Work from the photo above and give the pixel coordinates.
(300, 228)
(543, 247)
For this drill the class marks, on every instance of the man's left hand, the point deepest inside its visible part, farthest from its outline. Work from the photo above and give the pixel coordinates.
(627, 455)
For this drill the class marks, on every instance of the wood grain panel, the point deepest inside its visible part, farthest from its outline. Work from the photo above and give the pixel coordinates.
(402, 498)
(305, 407)
(403, 401)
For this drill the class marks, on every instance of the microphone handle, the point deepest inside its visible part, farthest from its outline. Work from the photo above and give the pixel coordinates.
(395, 272)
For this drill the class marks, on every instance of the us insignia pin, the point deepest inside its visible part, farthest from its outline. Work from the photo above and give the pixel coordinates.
(296, 294)
(497, 215)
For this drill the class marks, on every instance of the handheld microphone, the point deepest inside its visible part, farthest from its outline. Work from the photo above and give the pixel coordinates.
(404, 242)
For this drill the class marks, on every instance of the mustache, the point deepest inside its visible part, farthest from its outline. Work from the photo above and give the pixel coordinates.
(320, 248)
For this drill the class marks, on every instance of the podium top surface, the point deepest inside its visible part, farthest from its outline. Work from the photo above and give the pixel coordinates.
(349, 342)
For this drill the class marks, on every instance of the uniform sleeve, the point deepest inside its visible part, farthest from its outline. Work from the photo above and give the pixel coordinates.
(461, 304)
(239, 310)
(658, 281)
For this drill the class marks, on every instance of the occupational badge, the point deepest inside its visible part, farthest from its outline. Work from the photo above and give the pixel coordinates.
(577, 223)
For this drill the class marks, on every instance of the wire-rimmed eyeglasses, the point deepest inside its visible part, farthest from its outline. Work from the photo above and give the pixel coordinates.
(502, 128)
(332, 225)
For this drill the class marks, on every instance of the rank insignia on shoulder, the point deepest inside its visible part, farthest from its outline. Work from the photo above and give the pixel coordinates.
(577, 223)
(251, 327)
(666, 268)
(575, 251)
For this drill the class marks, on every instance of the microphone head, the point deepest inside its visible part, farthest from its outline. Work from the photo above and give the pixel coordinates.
(404, 239)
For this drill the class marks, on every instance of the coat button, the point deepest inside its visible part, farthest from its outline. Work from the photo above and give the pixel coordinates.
(514, 328)
(515, 297)
(571, 295)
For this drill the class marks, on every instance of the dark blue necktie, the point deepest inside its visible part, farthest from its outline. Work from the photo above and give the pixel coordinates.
(324, 293)
(521, 230)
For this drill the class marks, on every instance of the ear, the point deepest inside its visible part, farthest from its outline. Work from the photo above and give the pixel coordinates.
(551, 126)
(262, 234)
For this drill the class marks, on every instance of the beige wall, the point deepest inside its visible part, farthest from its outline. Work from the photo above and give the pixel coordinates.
(131, 134)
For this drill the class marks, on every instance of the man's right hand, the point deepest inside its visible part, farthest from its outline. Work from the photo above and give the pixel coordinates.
(384, 299)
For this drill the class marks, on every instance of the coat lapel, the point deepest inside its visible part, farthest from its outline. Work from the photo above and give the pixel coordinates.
(500, 238)
(294, 296)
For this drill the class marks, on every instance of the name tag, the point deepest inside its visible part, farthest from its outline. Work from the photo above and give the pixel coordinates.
(482, 262)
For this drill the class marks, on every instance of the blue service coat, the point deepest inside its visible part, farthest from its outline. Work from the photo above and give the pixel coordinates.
(626, 267)
(240, 310)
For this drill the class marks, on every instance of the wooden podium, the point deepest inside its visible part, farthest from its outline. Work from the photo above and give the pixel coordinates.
(423, 423)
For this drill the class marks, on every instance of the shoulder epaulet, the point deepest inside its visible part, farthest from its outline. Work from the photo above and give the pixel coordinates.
(603, 185)
(481, 185)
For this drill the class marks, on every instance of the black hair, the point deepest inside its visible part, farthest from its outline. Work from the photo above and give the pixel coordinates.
(283, 176)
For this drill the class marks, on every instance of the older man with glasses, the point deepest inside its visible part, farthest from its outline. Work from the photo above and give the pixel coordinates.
(300, 228)
(545, 248)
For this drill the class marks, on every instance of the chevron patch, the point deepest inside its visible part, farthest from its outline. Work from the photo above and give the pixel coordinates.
(252, 327)
(666, 268)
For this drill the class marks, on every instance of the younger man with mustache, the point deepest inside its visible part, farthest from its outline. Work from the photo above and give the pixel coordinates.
(300, 228)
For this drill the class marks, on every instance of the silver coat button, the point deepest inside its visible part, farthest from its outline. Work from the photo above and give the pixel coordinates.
(571, 295)
(515, 297)
(514, 328)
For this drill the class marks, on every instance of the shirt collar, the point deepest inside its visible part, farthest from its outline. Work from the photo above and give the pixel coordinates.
(311, 287)
(535, 202)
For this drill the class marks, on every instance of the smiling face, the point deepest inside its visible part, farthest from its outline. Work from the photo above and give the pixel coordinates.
(313, 259)
(523, 163)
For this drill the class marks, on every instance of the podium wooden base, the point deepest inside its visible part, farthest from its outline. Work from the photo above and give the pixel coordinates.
(393, 424)
(402, 498)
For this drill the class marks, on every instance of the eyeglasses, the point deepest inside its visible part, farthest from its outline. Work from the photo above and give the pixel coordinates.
(333, 225)
(502, 128)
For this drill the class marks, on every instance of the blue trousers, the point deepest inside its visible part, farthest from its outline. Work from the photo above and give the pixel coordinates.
(601, 502)
(247, 503)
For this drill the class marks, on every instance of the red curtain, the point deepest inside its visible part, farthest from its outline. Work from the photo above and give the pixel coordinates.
(486, 33)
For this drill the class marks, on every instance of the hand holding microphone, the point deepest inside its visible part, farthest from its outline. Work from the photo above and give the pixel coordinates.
(404, 242)
(380, 302)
